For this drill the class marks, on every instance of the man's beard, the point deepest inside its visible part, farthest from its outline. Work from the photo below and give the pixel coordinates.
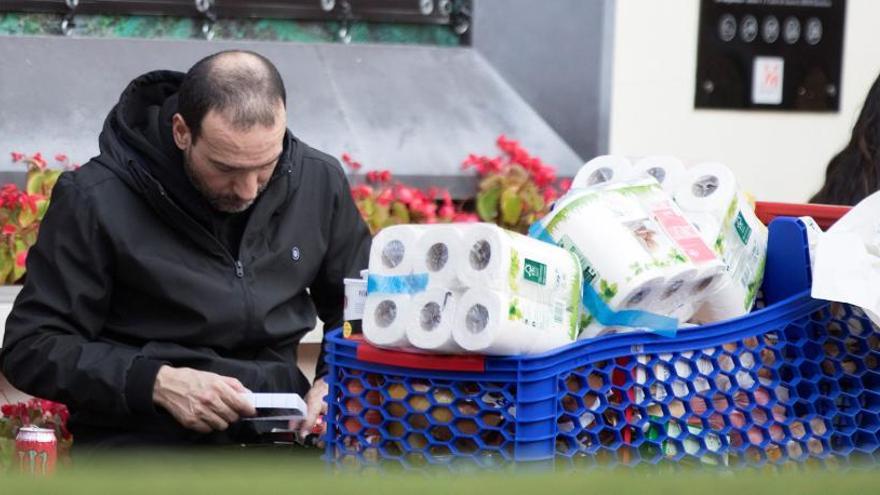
(223, 203)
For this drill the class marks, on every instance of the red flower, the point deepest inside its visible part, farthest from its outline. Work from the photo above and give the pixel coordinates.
(405, 194)
(29, 200)
(39, 161)
(361, 191)
(346, 158)
(60, 157)
(21, 259)
(17, 157)
(372, 176)
(385, 197)
(447, 212)
(7, 410)
(385, 176)
(465, 218)
(9, 229)
(565, 184)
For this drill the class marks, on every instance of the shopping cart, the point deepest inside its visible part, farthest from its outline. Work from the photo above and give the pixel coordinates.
(796, 381)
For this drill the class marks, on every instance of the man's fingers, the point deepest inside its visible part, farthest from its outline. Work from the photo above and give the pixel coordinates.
(314, 404)
(224, 410)
(232, 391)
(235, 400)
(235, 384)
(213, 420)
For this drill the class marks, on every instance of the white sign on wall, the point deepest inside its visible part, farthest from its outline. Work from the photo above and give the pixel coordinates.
(767, 76)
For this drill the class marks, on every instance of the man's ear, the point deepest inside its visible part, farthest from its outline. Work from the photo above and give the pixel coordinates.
(181, 132)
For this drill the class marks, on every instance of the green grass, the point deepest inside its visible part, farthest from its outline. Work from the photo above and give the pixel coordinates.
(282, 473)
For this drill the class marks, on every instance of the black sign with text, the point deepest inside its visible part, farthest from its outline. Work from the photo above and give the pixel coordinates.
(770, 54)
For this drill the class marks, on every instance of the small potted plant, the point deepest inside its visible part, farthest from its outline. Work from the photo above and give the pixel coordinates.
(515, 188)
(382, 201)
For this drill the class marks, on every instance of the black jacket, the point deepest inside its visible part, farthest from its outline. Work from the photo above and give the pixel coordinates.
(131, 270)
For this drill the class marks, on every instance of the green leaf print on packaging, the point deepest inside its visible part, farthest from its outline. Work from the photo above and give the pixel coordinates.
(514, 270)
(607, 291)
(514, 313)
(752, 291)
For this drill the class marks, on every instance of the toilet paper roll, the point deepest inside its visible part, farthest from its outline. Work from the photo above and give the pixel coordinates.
(384, 321)
(394, 250)
(675, 292)
(501, 260)
(431, 319)
(602, 169)
(502, 324)
(668, 170)
(705, 196)
(711, 197)
(438, 249)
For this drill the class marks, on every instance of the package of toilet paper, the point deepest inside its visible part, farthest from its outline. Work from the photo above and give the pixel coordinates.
(711, 198)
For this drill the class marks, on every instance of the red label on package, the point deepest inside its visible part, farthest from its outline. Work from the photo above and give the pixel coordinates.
(683, 233)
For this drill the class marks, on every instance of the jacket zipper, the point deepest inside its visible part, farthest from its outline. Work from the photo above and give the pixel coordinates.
(237, 264)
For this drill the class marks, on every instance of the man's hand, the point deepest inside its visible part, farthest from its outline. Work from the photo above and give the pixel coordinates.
(200, 400)
(315, 401)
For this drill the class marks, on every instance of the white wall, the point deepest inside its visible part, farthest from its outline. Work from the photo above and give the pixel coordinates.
(776, 156)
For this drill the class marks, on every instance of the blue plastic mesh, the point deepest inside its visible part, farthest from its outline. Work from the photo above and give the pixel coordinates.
(798, 382)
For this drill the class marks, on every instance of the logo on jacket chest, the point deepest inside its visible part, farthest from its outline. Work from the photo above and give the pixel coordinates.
(295, 254)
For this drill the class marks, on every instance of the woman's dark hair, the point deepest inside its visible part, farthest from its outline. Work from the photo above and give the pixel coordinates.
(855, 172)
(246, 90)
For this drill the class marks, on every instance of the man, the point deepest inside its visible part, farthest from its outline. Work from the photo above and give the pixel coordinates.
(171, 271)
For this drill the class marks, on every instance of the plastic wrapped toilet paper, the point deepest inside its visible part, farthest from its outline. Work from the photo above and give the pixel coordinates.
(385, 319)
(712, 200)
(604, 168)
(668, 170)
(814, 233)
(437, 250)
(847, 267)
(503, 324)
(638, 250)
(394, 250)
(508, 262)
(431, 319)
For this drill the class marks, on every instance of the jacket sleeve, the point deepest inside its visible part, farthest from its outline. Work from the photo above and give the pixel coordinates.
(52, 347)
(347, 254)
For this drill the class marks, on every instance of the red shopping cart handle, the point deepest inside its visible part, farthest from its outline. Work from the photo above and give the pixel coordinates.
(824, 215)
(438, 362)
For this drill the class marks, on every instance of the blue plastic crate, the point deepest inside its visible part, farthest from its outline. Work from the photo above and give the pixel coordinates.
(797, 381)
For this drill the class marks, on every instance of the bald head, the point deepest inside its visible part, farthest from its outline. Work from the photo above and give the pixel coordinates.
(243, 87)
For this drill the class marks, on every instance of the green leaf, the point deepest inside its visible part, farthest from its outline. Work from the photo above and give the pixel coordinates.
(7, 261)
(35, 183)
(400, 212)
(511, 207)
(487, 204)
(27, 216)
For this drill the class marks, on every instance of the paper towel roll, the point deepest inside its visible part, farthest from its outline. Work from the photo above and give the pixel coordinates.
(431, 319)
(500, 324)
(711, 198)
(437, 250)
(615, 261)
(668, 170)
(509, 262)
(604, 168)
(394, 250)
(384, 321)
